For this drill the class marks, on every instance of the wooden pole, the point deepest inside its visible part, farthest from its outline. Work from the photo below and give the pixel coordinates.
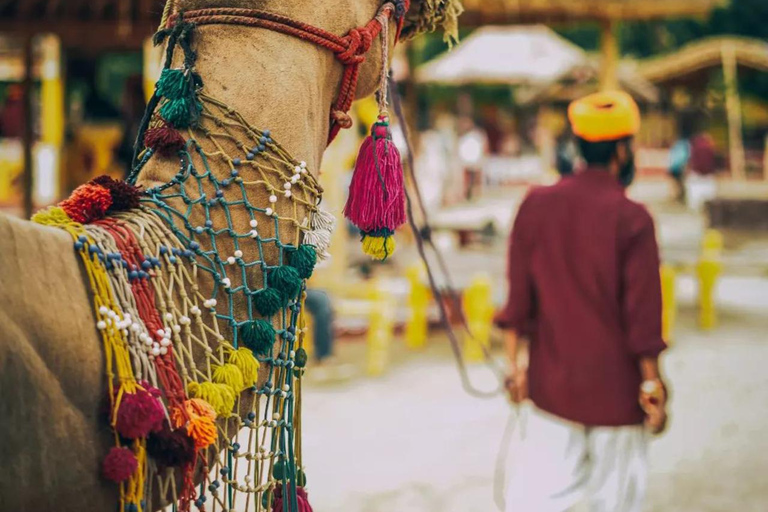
(28, 135)
(733, 110)
(609, 55)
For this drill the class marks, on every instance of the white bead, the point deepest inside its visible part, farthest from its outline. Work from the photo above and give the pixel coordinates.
(184, 320)
(103, 310)
(231, 260)
(297, 169)
(194, 310)
(143, 336)
(247, 478)
(127, 317)
(167, 334)
(273, 198)
(254, 233)
(148, 342)
(160, 332)
(238, 253)
(125, 332)
(226, 282)
(284, 394)
(165, 342)
(273, 423)
(163, 350)
(295, 178)
(287, 193)
(213, 303)
(155, 351)
(177, 328)
(292, 354)
(276, 416)
(303, 164)
(286, 388)
(287, 186)
(269, 212)
(135, 327)
(168, 317)
(207, 303)
(101, 325)
(254, 223)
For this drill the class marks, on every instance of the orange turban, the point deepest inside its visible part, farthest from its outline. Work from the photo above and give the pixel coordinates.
(604, 116)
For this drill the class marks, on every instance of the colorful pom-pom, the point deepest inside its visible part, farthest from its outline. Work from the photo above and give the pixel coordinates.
(119, 464)
(249, 365)
(286, 280)
(124, 195)
(269, 301)
(304, 260)
(181, 112)
(52, 216)
(87, 203)
(202, 430)
(230, 375)
(301, 358)
(220, 396)
(164, 139)
(171, 448)
(139, 414)
(173, 84)
(378, 247)
(258, 335)
(301, 497)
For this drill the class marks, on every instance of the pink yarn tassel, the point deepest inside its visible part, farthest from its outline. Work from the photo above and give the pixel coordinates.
(376, 194)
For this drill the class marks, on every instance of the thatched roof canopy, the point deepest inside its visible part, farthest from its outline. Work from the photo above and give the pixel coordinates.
(480, 12)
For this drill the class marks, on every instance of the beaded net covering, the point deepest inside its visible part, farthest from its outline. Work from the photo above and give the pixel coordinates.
(197, 287)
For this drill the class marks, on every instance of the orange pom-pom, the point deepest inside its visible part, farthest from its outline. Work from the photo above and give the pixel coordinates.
(87, 203)
(202, 430)
(193, 408)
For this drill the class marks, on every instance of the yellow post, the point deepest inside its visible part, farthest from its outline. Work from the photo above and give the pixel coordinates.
(153, 66)
(478, 309)
(733, 111)
(708, 270)
(609, 58)
(379, 330)
(669, 302)
(416, 327)
(48, 151)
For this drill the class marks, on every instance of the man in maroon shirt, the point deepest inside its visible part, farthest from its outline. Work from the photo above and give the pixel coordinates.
(584, 291)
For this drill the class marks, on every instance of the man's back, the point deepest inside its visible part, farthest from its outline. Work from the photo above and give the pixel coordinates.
(586, 258)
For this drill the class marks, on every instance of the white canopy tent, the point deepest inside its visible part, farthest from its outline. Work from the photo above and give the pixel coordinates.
(511, 55)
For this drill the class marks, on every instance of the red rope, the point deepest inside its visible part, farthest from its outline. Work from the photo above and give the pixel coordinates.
(350, 50)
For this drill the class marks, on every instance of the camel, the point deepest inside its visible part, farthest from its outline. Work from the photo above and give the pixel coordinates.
(53, 433)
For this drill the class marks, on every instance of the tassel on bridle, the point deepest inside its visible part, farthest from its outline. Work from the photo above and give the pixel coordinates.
(376, 202)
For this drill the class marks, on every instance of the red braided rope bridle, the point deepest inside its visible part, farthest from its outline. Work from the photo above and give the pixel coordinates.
(350, 50)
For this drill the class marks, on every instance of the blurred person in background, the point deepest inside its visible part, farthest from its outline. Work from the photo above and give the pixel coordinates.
(584, 289)
(473, 148)
(680, 155)
(566, 152)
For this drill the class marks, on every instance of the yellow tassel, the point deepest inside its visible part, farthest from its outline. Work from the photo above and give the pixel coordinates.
(220, 396)
(53, 216)
(377, 247)
(230, 375)
(249, 365)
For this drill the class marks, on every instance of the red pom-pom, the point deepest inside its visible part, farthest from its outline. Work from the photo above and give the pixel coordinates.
(119, 464)
(140, 413)
(124, 195)
(301, 495)
(377, 194)
(171, 448)
(164, 139)
(87, 203)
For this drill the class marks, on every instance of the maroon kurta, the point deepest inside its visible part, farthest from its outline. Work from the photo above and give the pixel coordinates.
(584, 287)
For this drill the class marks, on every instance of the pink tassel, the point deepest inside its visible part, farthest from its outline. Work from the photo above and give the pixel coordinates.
(301, 498)
(376, 200)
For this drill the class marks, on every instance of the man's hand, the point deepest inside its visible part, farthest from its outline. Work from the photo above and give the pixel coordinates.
(653, 400)
(517, 385)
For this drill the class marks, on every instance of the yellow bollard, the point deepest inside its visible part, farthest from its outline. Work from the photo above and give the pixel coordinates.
(708, 270)
(416, 327)
(669, 302)
(478, 309)
(379, 330)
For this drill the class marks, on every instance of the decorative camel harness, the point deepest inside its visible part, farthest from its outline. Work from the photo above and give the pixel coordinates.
(173, 417)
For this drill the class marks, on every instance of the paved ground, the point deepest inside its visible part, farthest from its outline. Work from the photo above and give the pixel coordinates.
(414, 441)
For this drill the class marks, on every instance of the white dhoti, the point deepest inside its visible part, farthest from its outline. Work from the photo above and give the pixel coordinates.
(558, 464)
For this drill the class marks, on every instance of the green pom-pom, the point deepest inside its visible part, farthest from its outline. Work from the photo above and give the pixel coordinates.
(259, 336)
(301, 479)
(286, 280)
(266, 499)
(301, 358)
(278, 470)
(181, 112)
(173, 84)
(268, 301)
(304, 260)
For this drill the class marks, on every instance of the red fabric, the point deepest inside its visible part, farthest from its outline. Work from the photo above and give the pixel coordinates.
(703, 158)
(584, 286)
